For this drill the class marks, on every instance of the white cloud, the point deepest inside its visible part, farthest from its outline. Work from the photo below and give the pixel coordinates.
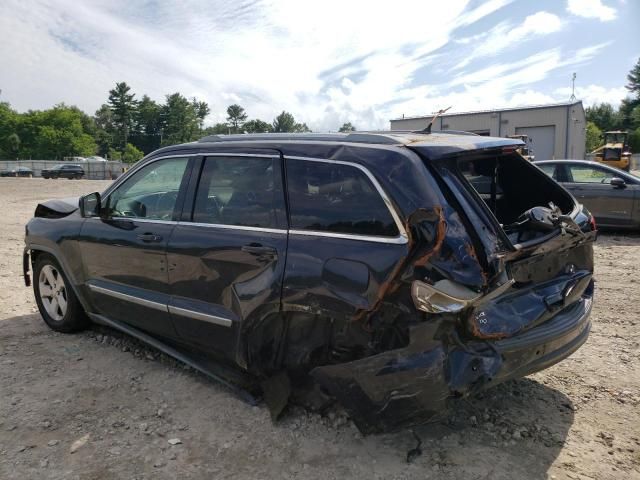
(591, 9)
(592, 94)
(504, 36)
(312, 59)
(504, 85)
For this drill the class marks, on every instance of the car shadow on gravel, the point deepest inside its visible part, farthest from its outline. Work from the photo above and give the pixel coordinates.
(514, 430)
(520, 425)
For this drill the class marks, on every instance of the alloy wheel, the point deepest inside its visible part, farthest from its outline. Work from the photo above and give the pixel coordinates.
(53, 292)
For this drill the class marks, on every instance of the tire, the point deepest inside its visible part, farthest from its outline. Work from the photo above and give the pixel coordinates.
(57, 302)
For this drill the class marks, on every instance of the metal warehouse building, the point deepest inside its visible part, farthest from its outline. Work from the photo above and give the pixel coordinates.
(556, 130)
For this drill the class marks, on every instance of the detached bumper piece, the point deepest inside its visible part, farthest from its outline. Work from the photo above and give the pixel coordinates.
(409, 386)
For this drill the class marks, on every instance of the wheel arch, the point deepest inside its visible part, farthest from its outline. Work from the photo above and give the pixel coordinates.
(34, 251)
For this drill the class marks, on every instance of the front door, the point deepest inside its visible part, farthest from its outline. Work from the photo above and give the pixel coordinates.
(124, 251)
(610, 205)
(226, 259)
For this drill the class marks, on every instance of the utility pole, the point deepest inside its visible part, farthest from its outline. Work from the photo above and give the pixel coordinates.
(573, 88)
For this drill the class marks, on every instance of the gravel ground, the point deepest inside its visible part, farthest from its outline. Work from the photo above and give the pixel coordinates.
(99, 406)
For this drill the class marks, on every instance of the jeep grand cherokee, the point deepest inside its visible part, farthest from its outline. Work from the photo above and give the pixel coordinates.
(390, 271)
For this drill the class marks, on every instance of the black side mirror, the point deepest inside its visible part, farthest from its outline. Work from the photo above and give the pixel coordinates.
(90, 205)
(617, 182)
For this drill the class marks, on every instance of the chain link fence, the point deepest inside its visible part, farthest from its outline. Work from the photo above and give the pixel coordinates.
(92, 170)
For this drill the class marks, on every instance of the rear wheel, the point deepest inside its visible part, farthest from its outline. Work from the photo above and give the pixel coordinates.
(58, 304)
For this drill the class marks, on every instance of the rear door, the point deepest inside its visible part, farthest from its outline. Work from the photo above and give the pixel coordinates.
(591, 185)
(124, 253)
(227, 257)
(345, 239)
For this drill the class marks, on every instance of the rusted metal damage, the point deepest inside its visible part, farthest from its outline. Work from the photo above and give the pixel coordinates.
(434, 216)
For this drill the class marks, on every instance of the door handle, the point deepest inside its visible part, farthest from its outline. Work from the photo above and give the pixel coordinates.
(257, 249)
(149, 237)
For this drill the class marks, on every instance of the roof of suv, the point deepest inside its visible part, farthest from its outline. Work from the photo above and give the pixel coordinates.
(393, 137)
(431, 145)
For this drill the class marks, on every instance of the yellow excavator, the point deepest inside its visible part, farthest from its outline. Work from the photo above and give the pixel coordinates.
(526, 151)
(615, 152)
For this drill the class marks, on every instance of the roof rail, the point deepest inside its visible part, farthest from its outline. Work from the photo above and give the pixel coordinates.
(388, 138)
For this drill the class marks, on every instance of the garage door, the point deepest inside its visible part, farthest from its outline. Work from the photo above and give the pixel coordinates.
(543, 140)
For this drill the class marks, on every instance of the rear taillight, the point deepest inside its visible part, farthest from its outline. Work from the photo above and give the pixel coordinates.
(592, 222)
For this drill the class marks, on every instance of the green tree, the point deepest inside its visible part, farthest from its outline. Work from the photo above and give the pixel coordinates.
(284, 123)
(148, 128)
(84, 145)
(114, 154)
(634, 117)
(347, 127)
(236, 116)
(13, 144)
(60, 133)
(105, 129)
(182, 119)
(594, 136)
(131, 154)
(302, 128)
(634, 140)
(604, 116)
(634, 80)
(123, 106)
(202, 111)
(217, 129)
(8, 123)
(257, 126)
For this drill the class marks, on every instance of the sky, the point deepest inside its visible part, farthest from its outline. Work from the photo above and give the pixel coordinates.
(327, 62)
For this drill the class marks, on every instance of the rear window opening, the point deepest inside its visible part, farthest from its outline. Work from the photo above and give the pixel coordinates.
(511, 187)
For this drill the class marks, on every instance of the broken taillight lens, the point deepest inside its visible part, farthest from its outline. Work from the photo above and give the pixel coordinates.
(443, 297)
(446, 296)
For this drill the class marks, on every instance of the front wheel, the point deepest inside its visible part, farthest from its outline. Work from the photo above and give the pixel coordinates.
(58, 304)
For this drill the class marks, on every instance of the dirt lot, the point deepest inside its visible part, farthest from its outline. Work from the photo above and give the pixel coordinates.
(124, 405)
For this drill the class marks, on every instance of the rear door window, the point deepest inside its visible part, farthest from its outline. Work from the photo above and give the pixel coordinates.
(334, 197)
(242, 191)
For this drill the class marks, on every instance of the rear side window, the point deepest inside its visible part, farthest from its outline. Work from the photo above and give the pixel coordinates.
(549, 169)
(331, 197)
(240, 191)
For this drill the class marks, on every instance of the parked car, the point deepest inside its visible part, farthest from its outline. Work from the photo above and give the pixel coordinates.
(612, 195)
(360, 267)
(63, 171)
(17, 172)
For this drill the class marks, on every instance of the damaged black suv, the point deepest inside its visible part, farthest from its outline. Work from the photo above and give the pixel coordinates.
(389, 271)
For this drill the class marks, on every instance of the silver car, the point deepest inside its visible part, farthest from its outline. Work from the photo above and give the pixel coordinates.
(612, 196)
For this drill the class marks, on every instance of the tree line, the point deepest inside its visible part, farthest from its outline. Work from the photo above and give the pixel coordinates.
(604, 117)
(125, 127)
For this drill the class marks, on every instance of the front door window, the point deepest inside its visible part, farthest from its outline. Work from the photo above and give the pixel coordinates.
(151, 192)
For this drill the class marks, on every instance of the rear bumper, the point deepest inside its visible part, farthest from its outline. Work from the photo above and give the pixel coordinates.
(409, 386)
(546, 345)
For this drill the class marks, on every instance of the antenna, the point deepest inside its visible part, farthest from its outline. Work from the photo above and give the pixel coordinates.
(438, 113)
(573, 88)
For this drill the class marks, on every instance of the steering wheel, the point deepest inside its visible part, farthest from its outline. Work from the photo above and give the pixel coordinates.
(165, 204)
